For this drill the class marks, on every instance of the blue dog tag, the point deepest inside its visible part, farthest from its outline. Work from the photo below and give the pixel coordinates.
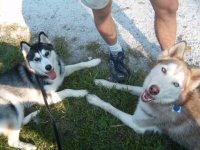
(176, 108)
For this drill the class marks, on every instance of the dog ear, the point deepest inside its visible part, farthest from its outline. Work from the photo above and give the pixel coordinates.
(43, 38)
(25, 47)
(176, 51)
(195, 78)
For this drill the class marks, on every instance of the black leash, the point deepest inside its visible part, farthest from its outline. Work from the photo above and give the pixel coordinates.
(56, 132)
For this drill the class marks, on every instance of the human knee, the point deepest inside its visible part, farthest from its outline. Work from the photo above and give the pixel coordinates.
(172, 7)
(168, 8)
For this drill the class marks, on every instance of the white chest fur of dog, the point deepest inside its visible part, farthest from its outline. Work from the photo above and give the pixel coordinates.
(169, 101)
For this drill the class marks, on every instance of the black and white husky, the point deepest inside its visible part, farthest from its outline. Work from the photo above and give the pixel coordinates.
(19, 86)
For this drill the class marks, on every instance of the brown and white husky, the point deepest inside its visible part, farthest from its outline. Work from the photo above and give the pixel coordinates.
(169, 101)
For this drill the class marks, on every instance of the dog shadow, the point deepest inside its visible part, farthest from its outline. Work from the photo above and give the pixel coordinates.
(129, 25)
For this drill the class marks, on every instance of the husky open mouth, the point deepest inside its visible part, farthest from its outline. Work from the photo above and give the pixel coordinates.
(51, 74)
(146, 96)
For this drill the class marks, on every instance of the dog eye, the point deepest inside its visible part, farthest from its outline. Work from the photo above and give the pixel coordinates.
(176, 84)
(46, 54)
(164, 70)
(37, 59)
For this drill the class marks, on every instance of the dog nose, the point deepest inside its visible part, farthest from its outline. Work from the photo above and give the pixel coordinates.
(48, 67)
(154, 89)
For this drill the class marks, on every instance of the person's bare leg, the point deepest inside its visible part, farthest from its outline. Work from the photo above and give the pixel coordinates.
(105, 24)
(165, 21)
(107, 28)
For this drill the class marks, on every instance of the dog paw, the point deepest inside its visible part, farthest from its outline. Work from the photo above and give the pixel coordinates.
(94, 62)
(30, 147)
(22, 145)
(34, 114)
(99, 81)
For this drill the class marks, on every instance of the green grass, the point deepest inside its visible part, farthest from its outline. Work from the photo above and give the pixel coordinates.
(83, 126)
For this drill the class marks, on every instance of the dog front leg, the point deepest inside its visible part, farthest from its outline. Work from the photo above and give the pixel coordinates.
(127, 119)
(13, 140)
(56, 97)
(72, 68)
(135, 90)
(29, 117)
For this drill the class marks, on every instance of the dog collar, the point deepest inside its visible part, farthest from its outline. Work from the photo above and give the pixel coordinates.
(176, 108)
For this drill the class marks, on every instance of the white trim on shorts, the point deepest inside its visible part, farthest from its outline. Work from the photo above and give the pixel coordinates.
(95, 4)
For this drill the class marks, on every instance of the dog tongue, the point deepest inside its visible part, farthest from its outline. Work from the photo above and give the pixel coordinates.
(52, 74)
